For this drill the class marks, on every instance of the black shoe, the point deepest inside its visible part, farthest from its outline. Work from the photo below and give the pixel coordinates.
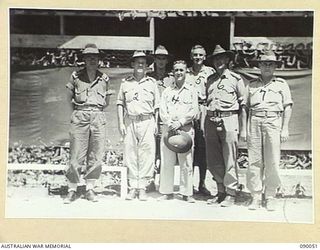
(188, 199)
(70, 197)
(203, 191)
(151, 187)
(217, 199)
(91, 196)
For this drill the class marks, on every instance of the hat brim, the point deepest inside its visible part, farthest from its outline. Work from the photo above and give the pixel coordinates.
(229, 53)
(169, 56)
(101, 54)
(256, 62)
(150, 59)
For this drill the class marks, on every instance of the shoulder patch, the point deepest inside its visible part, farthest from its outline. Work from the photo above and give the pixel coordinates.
(105, 77)
(75, 74)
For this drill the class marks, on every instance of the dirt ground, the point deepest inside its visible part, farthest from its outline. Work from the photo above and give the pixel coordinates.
(27, 202)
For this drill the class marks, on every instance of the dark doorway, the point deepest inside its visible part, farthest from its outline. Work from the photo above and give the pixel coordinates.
(180, 34)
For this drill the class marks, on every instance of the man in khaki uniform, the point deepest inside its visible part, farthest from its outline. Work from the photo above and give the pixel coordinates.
(269, 105)
(178, 108)
(138, 104)
(198, 73)
(225, 94)
(88, 92)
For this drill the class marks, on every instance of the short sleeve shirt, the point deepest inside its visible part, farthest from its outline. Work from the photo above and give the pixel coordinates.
(139, 97)
(179, 104)
(200, 79)
(86, 92)
(273, 96)
(225, 92)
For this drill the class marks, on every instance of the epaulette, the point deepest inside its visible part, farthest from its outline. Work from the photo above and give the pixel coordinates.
(151, 78)
(278, 79)
(128, 78)
(213, 77)
(235, 75)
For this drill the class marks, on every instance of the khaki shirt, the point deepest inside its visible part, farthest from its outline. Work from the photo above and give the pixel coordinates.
(162, 83)
(139, 97)
(86, 92)
(200, 79)
(273, 96)
(179, 104)
(225, 92)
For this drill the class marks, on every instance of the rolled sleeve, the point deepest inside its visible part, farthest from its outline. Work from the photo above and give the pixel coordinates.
(286, 95)
(164, 115)
(70, 84)
(156, 97)
(241, 92)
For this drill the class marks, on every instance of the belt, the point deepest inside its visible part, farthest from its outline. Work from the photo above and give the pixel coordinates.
(88, 108)
(220, 114)
(140, 117)
(264, 113)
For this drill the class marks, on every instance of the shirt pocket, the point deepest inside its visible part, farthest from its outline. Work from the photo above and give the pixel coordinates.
(274, 96)
(255, 96)
(186, 99)
(228, 96)
(81, 92)
(130, 95)
(147, 94)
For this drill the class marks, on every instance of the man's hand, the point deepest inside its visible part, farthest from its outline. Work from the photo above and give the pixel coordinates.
(284, 135)
(175, 125)
(122, 130)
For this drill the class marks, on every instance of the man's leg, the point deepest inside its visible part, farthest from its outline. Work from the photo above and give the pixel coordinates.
(215, 161)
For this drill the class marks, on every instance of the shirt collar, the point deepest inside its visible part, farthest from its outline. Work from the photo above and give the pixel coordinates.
(83, 75)
(186, 85)
(273, 79)
(226, 74)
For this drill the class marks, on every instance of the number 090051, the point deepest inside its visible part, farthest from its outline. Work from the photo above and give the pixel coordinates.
(308, 246)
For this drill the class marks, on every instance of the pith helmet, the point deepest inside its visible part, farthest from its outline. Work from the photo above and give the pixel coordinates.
(178, 141)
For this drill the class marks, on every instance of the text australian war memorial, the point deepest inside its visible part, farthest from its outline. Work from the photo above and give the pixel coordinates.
(46, 47)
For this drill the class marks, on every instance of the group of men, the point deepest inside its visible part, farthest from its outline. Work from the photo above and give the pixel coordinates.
(208, 106)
